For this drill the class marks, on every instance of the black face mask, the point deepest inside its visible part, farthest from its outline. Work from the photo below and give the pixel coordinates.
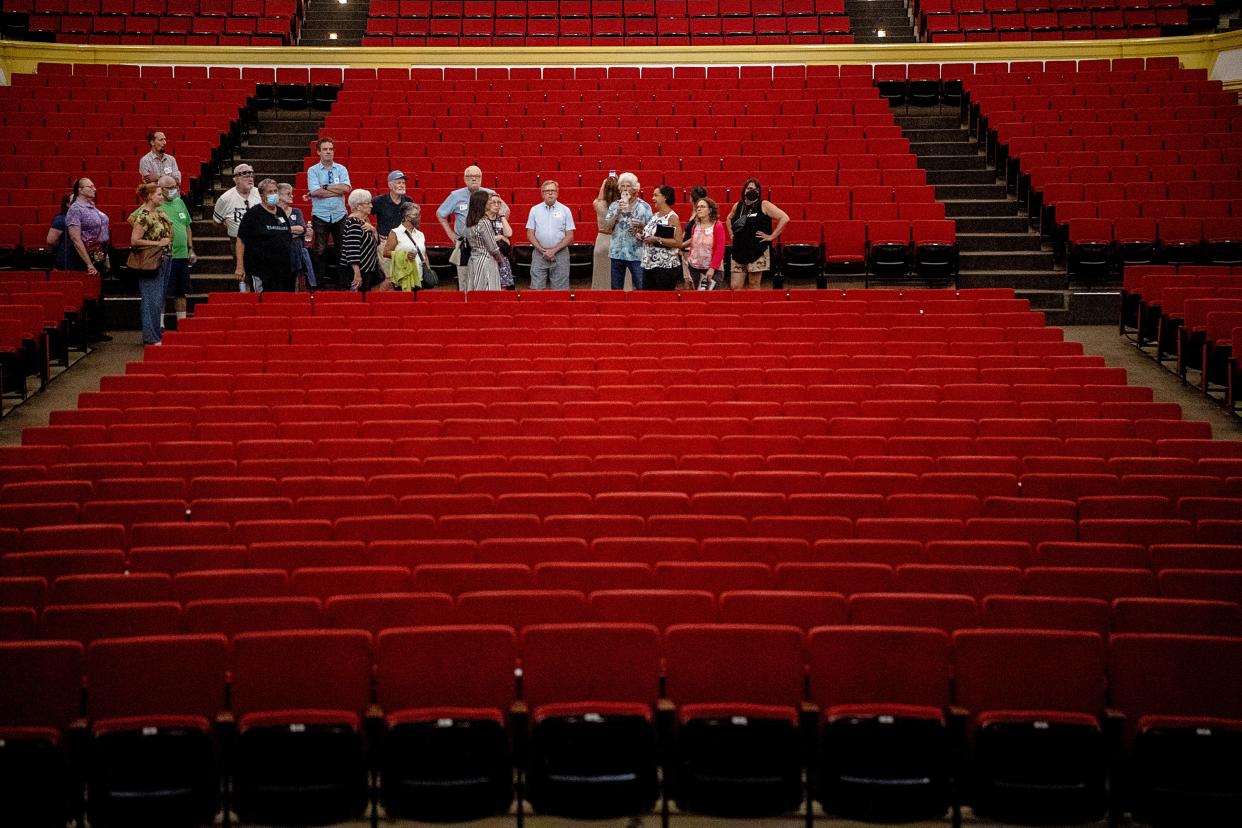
(751, 196)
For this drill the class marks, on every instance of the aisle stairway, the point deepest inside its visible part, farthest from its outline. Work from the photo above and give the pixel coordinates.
(998, 248)
(276, 147)
(347, 19)
(868, 18)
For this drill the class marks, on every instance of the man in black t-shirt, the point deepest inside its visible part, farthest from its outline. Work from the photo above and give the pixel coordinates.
(387, 211)
(264, 242)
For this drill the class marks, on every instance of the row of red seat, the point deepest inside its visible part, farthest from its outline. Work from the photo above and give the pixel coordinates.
(603, 8)
(613, 676)
(311, 600)
(179, 8)
(1076, 24)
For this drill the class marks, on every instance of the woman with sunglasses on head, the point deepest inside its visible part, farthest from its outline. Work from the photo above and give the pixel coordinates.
(87, 228)
(705, 255)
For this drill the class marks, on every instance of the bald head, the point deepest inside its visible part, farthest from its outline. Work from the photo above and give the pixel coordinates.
(167, 182)
(473, 177)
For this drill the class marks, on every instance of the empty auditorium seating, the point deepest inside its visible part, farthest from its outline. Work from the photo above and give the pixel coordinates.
(1045, 703)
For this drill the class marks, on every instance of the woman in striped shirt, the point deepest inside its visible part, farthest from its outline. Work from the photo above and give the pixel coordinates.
(359, 241)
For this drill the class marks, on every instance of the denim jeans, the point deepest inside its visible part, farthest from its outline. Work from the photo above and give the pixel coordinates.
(619, 266)
(152, 290)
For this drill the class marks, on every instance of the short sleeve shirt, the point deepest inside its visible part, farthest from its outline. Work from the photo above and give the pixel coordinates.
(331, 209)
(268, 242)
(625, 245)
(550, 223)
(152, 167)
(387, 212)
(179, 216)
(232, 206)
(92, 223)
(457, 205)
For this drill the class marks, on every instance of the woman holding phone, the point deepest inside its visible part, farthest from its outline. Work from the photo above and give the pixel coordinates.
(601, 269)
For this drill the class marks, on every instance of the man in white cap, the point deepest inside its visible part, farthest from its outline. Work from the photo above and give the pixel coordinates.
(231, 207)
(387, 211)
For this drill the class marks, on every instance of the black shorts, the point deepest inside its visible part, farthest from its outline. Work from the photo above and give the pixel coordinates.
(178, 284)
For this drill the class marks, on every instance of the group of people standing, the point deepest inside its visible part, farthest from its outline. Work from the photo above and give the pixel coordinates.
(646, 242)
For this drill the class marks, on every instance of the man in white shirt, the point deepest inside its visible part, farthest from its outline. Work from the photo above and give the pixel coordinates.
(550, 229)
(231, 207)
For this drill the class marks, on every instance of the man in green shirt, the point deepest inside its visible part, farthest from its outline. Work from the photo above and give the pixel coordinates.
(181, 252)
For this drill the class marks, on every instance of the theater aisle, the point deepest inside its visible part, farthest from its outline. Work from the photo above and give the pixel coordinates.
(105, 358)
(1120, 352)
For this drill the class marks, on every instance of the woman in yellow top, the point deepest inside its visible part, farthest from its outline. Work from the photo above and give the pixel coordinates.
(148, 257)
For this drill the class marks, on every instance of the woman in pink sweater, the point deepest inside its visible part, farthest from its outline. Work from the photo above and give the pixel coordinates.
(707, 246)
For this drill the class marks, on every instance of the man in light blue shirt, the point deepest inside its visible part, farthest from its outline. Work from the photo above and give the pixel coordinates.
(327, 184)
(550, 230)
(456, 205)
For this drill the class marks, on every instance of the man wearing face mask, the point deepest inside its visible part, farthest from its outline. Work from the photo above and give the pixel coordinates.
(264, 243)
(388, 210)
(751, 235)
(181, 252)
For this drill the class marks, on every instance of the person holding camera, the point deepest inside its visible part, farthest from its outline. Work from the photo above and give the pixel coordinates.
(601, 267)
(625, 219)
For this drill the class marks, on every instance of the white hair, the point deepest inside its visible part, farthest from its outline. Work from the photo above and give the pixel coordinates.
(357, 197)
(627, 178)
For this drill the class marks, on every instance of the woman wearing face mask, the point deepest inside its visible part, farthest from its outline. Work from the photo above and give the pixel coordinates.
(148, 257)
(360, 243)
(406, 248)
(751, 235)
(625, 219)
(661, 242)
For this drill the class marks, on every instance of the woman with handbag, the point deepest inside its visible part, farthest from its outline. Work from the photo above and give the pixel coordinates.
(483, 272)
(148, 257)
(406, 246)
(359, 243)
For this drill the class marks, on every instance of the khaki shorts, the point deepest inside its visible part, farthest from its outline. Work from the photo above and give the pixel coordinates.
(759, 265)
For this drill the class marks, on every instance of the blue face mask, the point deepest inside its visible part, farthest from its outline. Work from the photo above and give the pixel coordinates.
(273, 200)
(172, 194)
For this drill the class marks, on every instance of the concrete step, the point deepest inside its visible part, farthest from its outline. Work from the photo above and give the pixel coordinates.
(863, 6)
(964, 192)
(880, 20)
(256, 154)
(984, 176)
(869, 38)
(935, 136)
(943, 148)
(220, 245)
(1045, 300)
(990, 242)
(1016, 279)
(953, 162)
(1029, 260)
(951, 121)
(956, 209)
(992, 224)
